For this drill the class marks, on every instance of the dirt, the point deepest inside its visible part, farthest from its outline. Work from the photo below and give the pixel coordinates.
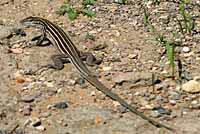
(130, 52)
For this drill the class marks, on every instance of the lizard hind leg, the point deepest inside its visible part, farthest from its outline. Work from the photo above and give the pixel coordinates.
(90, 59)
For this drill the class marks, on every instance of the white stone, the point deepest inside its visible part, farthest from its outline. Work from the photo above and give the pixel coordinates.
(49, 84)
(41, 128)
(191, 86)
(194, 102)
(186, 49)
(106, 68)
(132, 56)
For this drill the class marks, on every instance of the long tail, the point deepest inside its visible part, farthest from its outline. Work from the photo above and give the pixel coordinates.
(95, 82)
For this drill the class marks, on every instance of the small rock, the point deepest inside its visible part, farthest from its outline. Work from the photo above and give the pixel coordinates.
(194, 102)
(116, 104)
(61, 105)
(174, 95)
(159, 99)
(120, 1)
(93, 93)
(191, 86)
(59, 90)
(173, 102)
(20, 80)
(122, 109)
(107, 68)
(162, 110)
(28, 98)
(49, 84)
(197, 78)
(140, 78)
(46, 114)
(117, 33)
(18, 74)
(16, 50)
(49, 106)
(149, 107)
(132, 56)
(41, 128)
(98, 120)
(155, 114)
(186, 49)
(28, 86)
(35, 122)
(27, 110)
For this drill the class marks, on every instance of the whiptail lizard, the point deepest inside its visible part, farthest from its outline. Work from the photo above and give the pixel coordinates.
(68, 51)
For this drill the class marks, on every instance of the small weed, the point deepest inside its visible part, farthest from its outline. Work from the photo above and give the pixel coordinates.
(187, 23)
(170, 54)
(73, 13)
(88, 13)
(88, 2)
(161, 39)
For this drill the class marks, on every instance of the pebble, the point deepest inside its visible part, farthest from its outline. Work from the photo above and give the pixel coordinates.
(173, 102)
(161, 99)
(122, 109)
(27, 110)
(41, 128)
(143, 78)
(46, 114)
(59, 90)
(194, 102)
(155, 114)
(35, 122)
(149, 106)
(132, 56)
(93, 93)
(28, 86)
(191, 86)
(186, 49)
(106, 68)
(61, 105)
(174, 95)
(162, 110)
(197, 78)
(28, 98)
(116, 104)
(20, 79)
(16, 50)
(49, 84)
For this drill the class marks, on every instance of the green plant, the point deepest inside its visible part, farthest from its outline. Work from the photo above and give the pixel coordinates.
(161, 39)
(88, 2)
(73, 13)
(170, 54)
(188, 23)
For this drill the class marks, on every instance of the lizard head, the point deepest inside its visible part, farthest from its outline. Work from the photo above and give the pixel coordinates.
(32, 21)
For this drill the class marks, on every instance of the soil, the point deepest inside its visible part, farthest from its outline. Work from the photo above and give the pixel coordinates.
(61, 102)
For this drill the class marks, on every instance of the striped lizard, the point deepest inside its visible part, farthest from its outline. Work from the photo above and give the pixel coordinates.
(69, 53)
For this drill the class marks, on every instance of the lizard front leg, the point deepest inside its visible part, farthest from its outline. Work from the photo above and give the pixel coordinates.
(58, 64)
(40, 39)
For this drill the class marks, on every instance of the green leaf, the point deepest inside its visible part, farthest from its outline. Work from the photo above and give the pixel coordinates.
(170, 53)
(72, 14)
(62, 10)
(89, 2)
(88, 13)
